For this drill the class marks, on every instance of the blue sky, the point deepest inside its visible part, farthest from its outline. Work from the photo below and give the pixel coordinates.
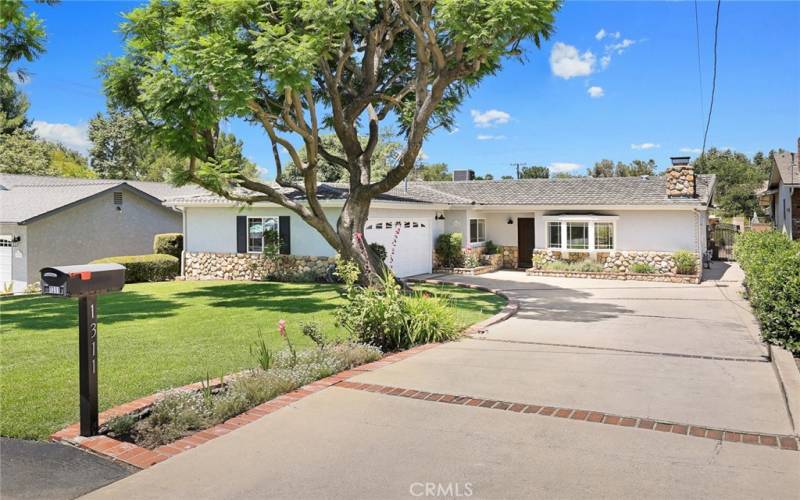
(617, 80)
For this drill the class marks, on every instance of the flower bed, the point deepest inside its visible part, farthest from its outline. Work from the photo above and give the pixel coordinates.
(666, 278)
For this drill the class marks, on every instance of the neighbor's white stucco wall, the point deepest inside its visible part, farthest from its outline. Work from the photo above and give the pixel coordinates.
(96, 229)
(783, 210)
(213, 229)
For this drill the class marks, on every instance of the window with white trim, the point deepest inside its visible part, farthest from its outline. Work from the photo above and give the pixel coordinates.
(603, 235)
(581, 233)
(554, 235)
(256, 227)
(577, 235)
(477, 230)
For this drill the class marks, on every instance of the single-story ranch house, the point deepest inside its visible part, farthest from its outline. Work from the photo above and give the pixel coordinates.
(50, 221)
(781, 198)
(612, 220)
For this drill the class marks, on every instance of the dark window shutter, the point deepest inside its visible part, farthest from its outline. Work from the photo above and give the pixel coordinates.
(241, 233)
(285, 234)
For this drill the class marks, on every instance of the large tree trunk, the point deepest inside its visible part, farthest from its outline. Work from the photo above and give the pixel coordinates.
(353, 244)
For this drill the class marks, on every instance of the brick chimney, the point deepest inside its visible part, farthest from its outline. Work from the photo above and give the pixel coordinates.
(680, 178)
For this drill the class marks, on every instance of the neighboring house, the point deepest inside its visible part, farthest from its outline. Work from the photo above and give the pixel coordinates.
(781, 198)
(586, 217)
(47, 221)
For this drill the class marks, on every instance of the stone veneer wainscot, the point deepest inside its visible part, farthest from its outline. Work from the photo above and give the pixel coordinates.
(252, 266)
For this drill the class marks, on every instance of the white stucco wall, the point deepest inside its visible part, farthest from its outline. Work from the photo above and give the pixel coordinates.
(96, 229)
(213, 229)
(664, 231)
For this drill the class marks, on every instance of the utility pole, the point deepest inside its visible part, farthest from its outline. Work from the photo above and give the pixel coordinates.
(518, 165)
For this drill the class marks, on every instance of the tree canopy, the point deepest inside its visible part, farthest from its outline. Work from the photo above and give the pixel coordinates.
(298, 68)
(607, 168)
(534, 172)
(738, 179)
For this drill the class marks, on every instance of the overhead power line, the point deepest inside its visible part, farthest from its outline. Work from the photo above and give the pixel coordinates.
(713, 78)
(699, 64)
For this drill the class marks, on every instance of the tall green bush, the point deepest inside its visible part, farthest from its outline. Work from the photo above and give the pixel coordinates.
(771, 263)
(169, 244)
(141, 268)
(448, 250)
(685, 262)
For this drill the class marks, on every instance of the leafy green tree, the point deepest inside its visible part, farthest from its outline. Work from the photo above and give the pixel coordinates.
(387, 151)
(296, 68)
(507, 177)
(65, 162)
(764, 162)
(602, 168)
(22, 153)
(534, 172)
(13, 107)
(738, 179)
(564, 175)
(431, 172)
(485, 177)
(635, 168)
(22, 34)
(120, 151)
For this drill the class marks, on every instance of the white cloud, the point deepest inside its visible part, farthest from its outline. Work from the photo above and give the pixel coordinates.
(454, 131)
(595, 92)
(71, 136)
(690, 150)
(490, 118)
(605, 61)
(487, 137)
(620, 47)
(616, 34)
(645, 145)
(558, 167)
(601, 34)
(567, 62)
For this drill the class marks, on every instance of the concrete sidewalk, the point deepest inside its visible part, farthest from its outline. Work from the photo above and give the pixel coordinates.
(685, 354)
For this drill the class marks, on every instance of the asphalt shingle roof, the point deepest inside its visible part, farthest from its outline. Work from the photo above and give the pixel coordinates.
(788, 167)
(578, 191)
(23, 197)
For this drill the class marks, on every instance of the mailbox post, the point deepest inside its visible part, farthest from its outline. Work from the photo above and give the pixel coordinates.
(85, 283)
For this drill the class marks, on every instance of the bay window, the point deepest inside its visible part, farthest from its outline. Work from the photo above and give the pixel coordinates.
(477, 230)
(587, 233)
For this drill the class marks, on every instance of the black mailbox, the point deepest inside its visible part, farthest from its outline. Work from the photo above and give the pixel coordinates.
(85, 283)
(79, 281)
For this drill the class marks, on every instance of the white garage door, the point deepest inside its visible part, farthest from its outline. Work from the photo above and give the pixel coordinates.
(411, 239)
(6, 255)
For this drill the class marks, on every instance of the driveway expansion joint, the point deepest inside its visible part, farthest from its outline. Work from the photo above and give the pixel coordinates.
(777, 441)
(630, 351)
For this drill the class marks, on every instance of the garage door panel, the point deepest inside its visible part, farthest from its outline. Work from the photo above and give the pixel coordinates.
(411, 239)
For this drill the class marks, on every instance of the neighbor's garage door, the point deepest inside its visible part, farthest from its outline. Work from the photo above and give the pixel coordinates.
(412, 244)
(6, 254)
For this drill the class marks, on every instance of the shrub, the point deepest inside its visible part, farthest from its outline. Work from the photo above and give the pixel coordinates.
(685, 262)
(169, 244)
(587, 266)
(382, 316)
(558, 265)
(490, 248)
(448, 250)
(538, 260)
(139, 268)
(471, 260)
(642, 268)
(430, 318)
(379, 250)
(771, 263)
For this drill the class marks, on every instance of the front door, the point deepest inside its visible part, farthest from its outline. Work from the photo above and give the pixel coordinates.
(525, 241)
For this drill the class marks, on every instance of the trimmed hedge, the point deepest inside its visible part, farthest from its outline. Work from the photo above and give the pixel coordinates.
(168, 243)
(140, 268)
(771, 263)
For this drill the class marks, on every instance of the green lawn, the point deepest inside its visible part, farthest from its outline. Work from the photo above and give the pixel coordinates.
(154, 336)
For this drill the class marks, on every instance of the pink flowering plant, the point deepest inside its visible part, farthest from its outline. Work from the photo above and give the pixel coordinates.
(289, 345)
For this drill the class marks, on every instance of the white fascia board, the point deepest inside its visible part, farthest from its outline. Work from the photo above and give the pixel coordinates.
(574, 208)
(323, 203)
(580, 217)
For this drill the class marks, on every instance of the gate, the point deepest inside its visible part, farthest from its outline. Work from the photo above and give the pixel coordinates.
(720, 241)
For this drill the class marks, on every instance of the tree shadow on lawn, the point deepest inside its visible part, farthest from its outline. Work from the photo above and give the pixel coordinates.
(45, 313)
(284, 297)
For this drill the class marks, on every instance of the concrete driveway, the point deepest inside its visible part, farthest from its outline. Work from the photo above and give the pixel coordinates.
(629, 353)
